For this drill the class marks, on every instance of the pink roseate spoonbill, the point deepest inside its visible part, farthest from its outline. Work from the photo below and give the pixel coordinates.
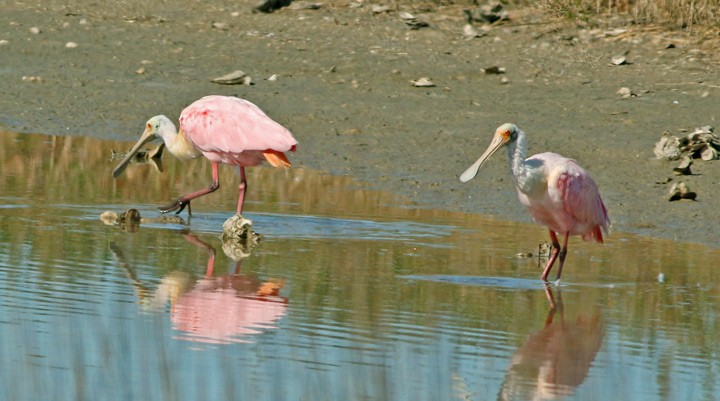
(559, 193)
(224, 129)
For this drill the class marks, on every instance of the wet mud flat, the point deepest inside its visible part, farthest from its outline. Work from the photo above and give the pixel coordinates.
(343, 84)
(347, 289)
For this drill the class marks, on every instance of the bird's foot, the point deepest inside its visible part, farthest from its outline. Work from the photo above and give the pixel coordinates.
(178, 206)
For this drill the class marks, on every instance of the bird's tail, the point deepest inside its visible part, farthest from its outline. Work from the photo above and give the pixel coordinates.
(594, 235)
(276, 159)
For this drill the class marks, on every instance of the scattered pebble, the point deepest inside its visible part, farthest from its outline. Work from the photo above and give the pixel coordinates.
(220, 26)
(619, 60)
(71, 45)
(4, 42)
(681, 191)
(487, 13)
(304, 5)
(379, 9)
(412, 22)
(273, 78)
(684, 167)
(504, 80)
(626, 93)
(35, 30)
(493, 70)
(32, 79)
(234, 78)
(140, 71)
(423, 82)
(469, 32)
(661, 277)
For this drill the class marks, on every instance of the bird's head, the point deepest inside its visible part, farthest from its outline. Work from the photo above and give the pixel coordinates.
(505, 134)
(154, 129)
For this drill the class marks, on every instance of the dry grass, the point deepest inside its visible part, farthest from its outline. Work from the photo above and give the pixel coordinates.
(678, 13)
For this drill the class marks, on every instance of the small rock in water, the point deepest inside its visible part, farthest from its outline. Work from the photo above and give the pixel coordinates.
(130, 220)
(238, 237)
(109, 218)
(238, 227)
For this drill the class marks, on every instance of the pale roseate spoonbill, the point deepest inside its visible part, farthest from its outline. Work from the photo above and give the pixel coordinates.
(559, 193)
(224, 129)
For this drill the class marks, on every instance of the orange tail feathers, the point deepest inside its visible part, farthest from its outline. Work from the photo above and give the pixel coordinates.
(276, 159)
(594, 235)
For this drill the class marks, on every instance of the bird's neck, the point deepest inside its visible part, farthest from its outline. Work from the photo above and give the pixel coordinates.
(521, 171)
(178, 144)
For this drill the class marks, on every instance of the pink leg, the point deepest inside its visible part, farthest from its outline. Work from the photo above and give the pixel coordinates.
(241, 190)
(184, 200)
(563, 253)
(553, 255)
(211, 252)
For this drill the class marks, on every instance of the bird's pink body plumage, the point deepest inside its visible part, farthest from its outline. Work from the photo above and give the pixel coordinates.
(233, 131)
(559, 193)
(224, 129)
(570, 203)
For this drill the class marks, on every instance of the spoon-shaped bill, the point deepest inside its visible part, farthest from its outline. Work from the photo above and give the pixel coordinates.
(498, 142)
(146, 137)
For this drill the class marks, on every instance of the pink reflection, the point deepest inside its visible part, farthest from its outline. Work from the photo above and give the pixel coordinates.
(230, 308)
(226, 309)
(556, 359)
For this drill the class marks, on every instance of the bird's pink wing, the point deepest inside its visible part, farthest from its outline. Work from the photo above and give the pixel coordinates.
(224, 124)
(581, 199)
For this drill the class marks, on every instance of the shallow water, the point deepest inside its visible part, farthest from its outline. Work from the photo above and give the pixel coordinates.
(351, 294)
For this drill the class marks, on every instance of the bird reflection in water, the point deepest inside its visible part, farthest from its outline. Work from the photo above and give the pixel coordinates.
(223, 309)
(556, 359)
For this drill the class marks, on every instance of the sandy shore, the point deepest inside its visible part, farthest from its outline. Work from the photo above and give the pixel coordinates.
(343, 88)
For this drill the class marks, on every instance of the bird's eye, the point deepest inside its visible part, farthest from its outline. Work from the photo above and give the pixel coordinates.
(512, 134)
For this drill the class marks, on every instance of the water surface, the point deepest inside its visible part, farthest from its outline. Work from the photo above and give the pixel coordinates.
(351, 294)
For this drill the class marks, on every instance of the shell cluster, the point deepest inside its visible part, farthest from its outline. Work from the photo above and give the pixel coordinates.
(700, 144)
